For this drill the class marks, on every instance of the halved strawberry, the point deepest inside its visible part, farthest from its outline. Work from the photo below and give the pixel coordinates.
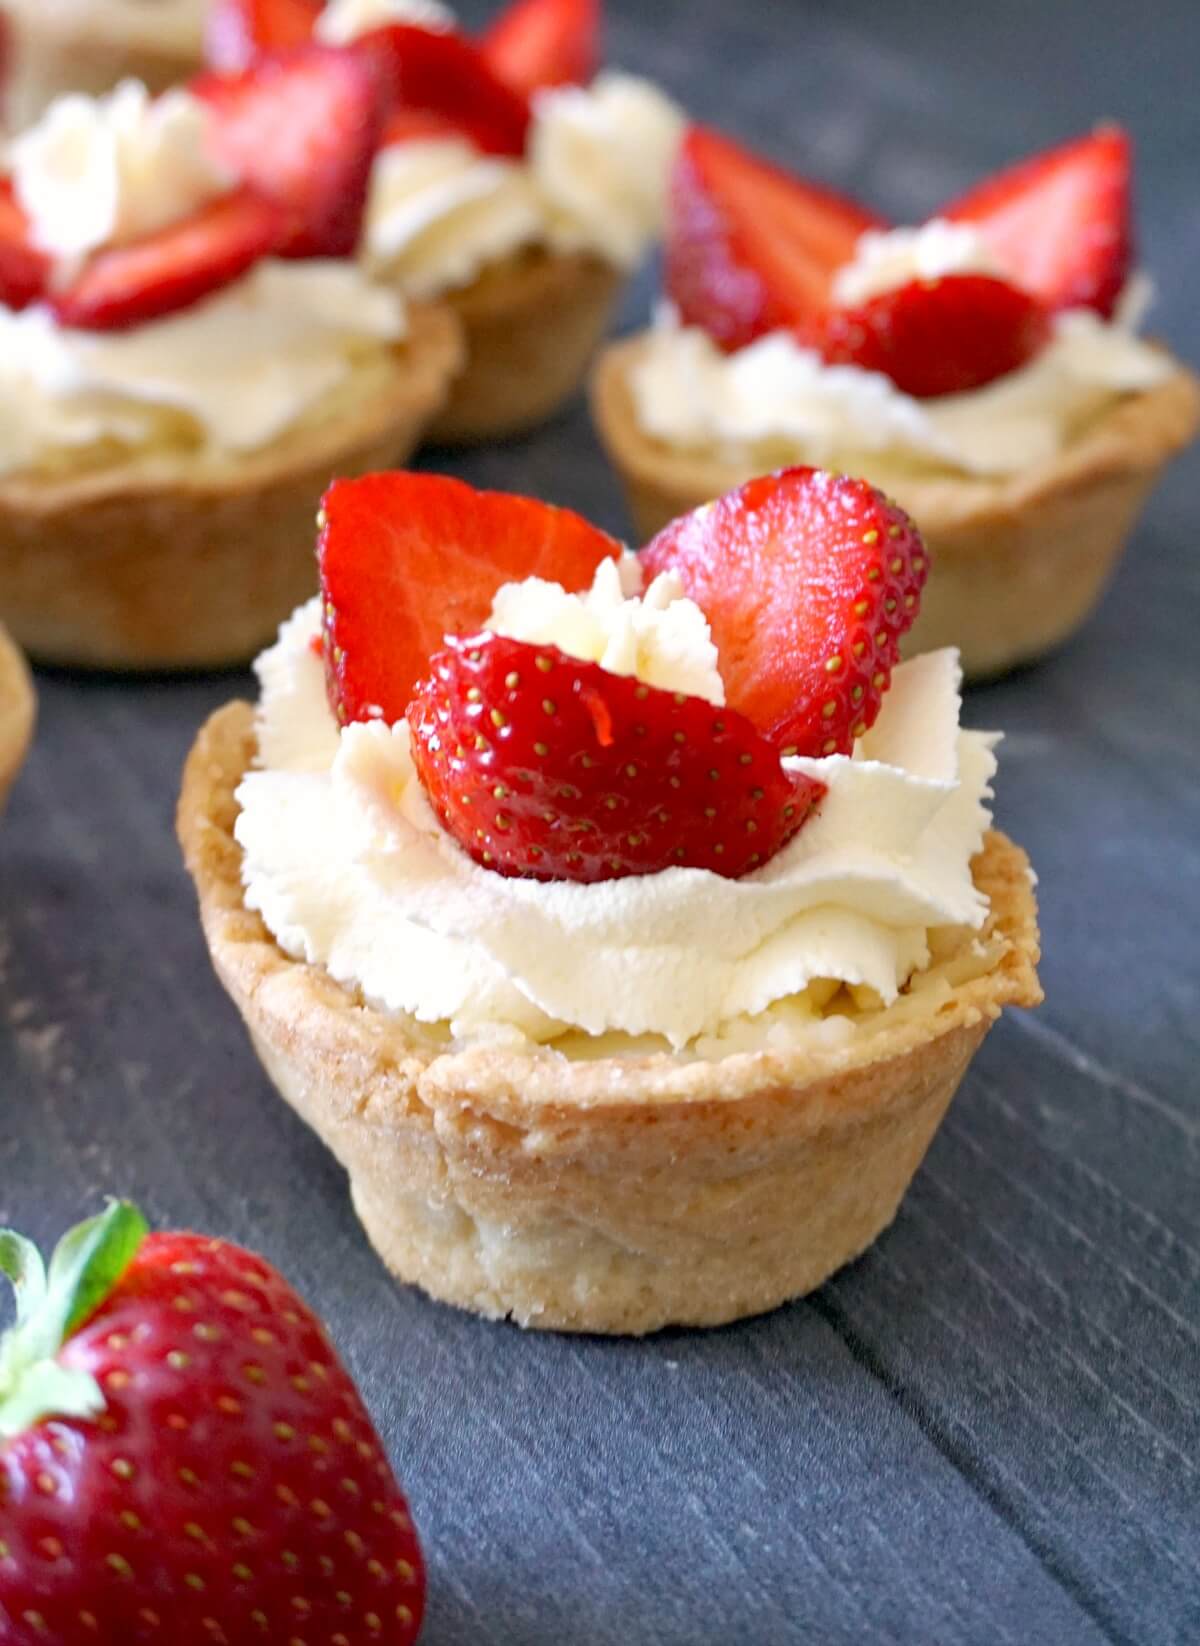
(302, 128)
(24, 270)
(536, 43)
(749, 247)
(406, 559)
(808, 581)
(127, 285)
(418, 126)
(444, 73)
(939, 336)
(543, 766)
(237, 32)
(1060, 224)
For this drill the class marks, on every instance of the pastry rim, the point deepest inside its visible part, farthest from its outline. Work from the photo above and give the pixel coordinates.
(18, 710)
(520, 1085)
(1139, 432)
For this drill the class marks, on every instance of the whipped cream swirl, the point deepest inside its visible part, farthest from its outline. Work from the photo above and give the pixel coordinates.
(350, 870)
(594, 179)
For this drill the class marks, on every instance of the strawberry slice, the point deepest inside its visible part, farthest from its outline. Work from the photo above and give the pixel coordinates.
(418, 126)
(808, 581)
(406, 559)
(170, 270)
(542, 766)
(24, 270)
(1060, 224)
(444, 73)
(237, 32)
(750, 248)
(302, 128)
(537, 43)
(936, 337)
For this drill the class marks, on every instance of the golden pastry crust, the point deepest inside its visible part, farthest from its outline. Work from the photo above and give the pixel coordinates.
(56, 46)
(616, 1195)
(18, 709)
(531, 325)
(1017, 563)
(182, 559)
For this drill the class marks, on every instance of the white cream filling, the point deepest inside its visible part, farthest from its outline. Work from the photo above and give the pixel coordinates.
(595, 179)
(350, 870)
(233, 372)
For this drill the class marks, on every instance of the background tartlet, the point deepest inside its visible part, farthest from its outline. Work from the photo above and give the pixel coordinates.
(1019, 561)
(17, 712)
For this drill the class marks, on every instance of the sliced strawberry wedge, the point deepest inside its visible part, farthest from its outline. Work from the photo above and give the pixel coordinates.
(808, 581)
(445, 74)
(406, 559)
(750, 248)
(418, 126)
(24, 270)
(237, 32)
(128, 285)
(302, 129)
(940, 336)
(543, 766)
(1060, 224)
(537, 43)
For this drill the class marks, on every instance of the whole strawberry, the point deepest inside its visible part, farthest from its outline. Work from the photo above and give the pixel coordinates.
(183, 1458)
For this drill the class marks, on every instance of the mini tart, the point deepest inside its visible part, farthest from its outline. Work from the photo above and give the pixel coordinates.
(17, 712)
(1016, 563)
(182, 559)
(531, 325)
(616, 1195)
(56, 46)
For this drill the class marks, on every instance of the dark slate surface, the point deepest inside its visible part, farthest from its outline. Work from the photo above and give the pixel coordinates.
(984, 1431)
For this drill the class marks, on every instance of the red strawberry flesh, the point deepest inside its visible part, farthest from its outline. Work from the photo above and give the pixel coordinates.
(1060, 223)
(232, 1488)
(808, 581)
(406, 559)
(547, 767)
(444, 73)
(751, 249)
(152, 278)
(537, 43)
(24, 270)
(236, 32)
(934, 337)
(302, 128)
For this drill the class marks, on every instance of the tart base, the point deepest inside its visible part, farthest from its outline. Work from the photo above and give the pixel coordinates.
(17, 713)
(616, 1195)
(1016, 564)
(65, 46)
(531, 325)
(174, 560)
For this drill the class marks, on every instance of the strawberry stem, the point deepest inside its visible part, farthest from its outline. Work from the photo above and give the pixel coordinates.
(86, 1265)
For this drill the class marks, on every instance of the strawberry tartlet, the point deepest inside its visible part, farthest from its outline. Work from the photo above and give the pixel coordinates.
(624, 924)
(513, 183)
(51, 47)
(18, 710)
(188, 350)
(982, 367)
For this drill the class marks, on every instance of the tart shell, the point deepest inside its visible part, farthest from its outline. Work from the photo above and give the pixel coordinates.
(1016, 564)
(177, 559)
(615, 1195)
(531, 325)
(17, 713)
(56, 46)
